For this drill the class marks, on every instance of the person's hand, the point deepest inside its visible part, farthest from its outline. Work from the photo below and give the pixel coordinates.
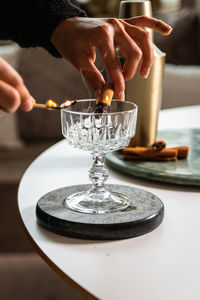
(13, 93)
(78, 38)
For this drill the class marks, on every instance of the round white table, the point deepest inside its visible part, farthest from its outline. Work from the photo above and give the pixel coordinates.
(161, 265)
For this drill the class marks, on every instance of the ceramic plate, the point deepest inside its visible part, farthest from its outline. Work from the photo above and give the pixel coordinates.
(184, 172)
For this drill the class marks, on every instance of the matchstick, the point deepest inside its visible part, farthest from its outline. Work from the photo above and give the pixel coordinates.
(40, 105)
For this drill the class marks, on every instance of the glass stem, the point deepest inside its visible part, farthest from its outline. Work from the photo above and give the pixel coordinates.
(98, 174)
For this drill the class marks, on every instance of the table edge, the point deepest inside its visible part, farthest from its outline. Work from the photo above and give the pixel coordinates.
(64, 276)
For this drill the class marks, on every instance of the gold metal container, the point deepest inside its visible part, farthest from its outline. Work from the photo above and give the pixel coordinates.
(129, 9)
(146, 93)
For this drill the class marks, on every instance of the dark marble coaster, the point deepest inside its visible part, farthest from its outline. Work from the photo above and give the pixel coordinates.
(143, 215)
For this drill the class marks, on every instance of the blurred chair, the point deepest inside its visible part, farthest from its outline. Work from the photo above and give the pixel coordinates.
(23, 136)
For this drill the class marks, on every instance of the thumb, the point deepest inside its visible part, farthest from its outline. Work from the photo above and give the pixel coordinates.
(27, 100)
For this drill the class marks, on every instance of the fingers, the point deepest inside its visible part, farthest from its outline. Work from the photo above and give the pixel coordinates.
(108, 34)
(14, 94)
(9, 97)
(27, 100)
(113, 67)
(144, 21)
(143, 39)
(131, 51)
(93, 76)
(104, 41)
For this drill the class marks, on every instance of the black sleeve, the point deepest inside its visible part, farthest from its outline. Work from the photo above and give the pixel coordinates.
(30, 23)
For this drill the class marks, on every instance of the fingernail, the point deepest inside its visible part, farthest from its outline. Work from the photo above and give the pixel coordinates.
(145, 73)
(28, 104)
(166, 29)
(169, 29)
(121, 96)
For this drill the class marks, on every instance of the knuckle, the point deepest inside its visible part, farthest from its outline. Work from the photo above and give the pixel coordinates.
(157, 24)
(104, 27)
(146, 36)
(138, 53)
(114, 22)
(105, 30)
(144, 18)
(17, 81)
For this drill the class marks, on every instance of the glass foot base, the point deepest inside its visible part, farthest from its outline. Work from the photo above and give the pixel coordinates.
(94, 204)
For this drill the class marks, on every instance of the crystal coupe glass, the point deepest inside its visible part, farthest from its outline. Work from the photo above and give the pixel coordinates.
(98, 133)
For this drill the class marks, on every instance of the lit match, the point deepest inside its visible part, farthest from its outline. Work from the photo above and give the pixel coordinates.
(50, 104)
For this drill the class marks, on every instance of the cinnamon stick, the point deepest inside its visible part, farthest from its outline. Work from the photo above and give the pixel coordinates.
(159, 145)
(149, 154)
(155, 158)
(105, 98)
(183, 151)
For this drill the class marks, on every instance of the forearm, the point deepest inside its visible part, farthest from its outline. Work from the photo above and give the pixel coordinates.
(31, 23)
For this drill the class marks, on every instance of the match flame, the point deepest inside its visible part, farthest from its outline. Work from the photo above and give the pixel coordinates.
(107, 100)
(51, 103)
(68, 103)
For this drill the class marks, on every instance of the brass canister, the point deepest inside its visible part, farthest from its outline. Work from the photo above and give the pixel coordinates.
(146, 93)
